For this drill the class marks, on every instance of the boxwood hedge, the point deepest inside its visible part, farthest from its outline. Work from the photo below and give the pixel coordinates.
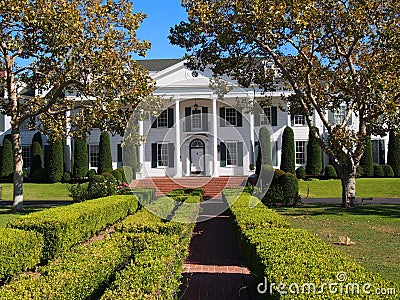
(20, 250)
(63, 227)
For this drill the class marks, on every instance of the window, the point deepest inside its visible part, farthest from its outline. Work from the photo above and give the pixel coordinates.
(196, 119)
(265, 118)
(26, 156)
(162, 120)
(162, 155)
(299, 120)
(339, 115)
(378, 152)
(94, 156)
(231, 116)
(300, 152)
(231, 155)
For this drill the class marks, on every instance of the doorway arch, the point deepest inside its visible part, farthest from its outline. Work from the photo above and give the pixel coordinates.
(197, 149)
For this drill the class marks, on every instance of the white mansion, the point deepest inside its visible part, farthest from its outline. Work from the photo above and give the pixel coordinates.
(199, 133)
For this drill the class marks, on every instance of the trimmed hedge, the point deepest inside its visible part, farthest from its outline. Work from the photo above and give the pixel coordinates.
(144, 195)
(314, 155)
(20, 250)
(105, 160)
(393, 155)
(81, 158)
(56, 161)
(63, 227)
(367, 162)
(330, 172)
(387, 169)
(293, 256)
(301, 173)
(288, 151)
(7, 161)
(83, 273)
(37, 160)
(378, 171)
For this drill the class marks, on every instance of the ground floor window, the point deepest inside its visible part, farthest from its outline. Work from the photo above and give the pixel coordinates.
(378, 152)
(231, 154)
(26, 156)
(162, 155)
(94, 156)
(300, 152)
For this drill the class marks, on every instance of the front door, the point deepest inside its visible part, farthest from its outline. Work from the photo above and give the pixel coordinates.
(197, 157)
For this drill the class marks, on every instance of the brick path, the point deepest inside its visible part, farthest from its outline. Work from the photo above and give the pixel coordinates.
(215, 267)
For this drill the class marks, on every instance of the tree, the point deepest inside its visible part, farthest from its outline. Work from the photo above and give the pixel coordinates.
(288, 151)
(88, 55)
(37, 160)
(367, 161)
(6, 158)
(81, 158)
(393, 156)
(264, 151)
(314, 155)
(105, 160)
(56, 161)
(340, 64)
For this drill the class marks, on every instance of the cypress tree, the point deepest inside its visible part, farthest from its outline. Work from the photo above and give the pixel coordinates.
(105, 161)
(7, 166)
(81, 158)
(37, 160)
(367, 162)
(264, 152)
(393, 156)
(56, 161)
(314, 155)
(288, 151)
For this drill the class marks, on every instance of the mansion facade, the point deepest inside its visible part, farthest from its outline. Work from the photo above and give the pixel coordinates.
(198, 133)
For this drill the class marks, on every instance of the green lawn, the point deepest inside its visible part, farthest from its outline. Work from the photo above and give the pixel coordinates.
(374, 228)
(6, 214)
(38, 191)
(365, 187)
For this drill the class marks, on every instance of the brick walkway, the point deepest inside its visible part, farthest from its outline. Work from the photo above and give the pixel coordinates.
(215, 267)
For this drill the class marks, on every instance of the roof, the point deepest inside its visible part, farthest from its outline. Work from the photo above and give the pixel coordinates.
(157, 65)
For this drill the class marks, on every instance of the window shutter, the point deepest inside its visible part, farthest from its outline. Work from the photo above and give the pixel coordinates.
(239, 119)
(119, 153)
(188, 120)
(274, 116)
(331, 118)
(2, 122)
(240, 154)
(204, 116)
(223, 154)
(171, 155)
(257, 112)
(222, 117)
(154, 155)
(170, 117)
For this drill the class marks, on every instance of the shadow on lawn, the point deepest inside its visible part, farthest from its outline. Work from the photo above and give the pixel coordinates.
(383, 210)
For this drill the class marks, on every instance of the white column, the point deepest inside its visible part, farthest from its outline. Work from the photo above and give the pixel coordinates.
(68, 144)
(251, 115)
(141, 150)
(178, 163)
(215, 135)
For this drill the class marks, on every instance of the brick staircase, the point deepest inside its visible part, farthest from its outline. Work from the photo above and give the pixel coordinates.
(212, 186)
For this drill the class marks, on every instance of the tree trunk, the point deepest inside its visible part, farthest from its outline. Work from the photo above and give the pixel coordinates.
(349, 191)
(18, 173)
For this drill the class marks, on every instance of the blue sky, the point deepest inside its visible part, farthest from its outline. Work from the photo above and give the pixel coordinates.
(161, 16)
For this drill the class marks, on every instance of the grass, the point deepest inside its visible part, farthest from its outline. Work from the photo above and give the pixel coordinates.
(6, 214)
(38, 191)
(365, 188)
(375, 229)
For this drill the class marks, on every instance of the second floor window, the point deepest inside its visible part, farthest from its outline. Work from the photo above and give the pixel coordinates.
(196, 119)
(299, 120)
(231, 116)
(162, 120)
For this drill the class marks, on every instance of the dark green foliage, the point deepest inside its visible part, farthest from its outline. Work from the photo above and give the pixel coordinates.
(7, 165)
(284, 189)
(388, 171)
(63, 227)
(378, 171)
(367, 162)
(37, 161)
(130, 160)
(56, 161)
(91, 173)
(360, 172)
(105, 161)
(67, 177)
(81, 158)
(301, 173)
(109, 177)
(290, 188)
(265, 146)
(314, 156)
(39, 176)
(20, 251)
(288, 151)
(123, 175)
(37, 137)
(393, 156)
(330, 172)
(117, 175)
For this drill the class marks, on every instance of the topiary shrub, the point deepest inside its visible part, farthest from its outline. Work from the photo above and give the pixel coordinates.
(105, 160)
(264, 152)
(56, 161)
(108, 176)
(127, 173)
(117, 175)
(91, 173)
(388, 171)
(7, 165)
(330, 172)
(123, 175)
(81, 158)
(290, 188)
(288, 151)
(39, 176)
(67, 177)
(359, 172)
(301, 173)
(37, 161)
(367, 162)
(314, 155)
(393, 156)
(378, 171)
